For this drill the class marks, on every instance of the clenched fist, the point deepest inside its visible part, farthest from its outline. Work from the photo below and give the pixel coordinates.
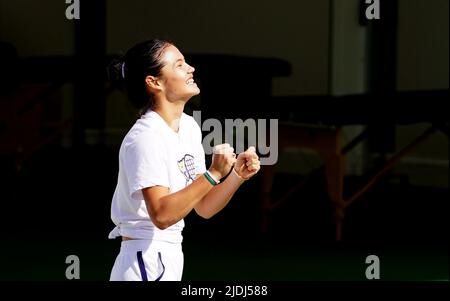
(247, 163)
(222, 160)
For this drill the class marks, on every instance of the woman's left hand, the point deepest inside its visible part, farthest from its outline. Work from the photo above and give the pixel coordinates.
(247, 163)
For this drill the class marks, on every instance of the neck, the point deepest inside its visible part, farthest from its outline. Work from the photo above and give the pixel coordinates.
(170, 112)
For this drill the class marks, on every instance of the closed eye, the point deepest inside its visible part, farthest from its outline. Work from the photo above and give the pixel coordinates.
(179, 62)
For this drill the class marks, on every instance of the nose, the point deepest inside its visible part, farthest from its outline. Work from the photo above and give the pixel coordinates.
(191, 69)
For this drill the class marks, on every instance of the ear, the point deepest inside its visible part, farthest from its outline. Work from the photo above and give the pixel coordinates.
(153, 83)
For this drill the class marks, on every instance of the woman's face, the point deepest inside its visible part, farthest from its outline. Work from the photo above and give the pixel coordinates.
(177, 76)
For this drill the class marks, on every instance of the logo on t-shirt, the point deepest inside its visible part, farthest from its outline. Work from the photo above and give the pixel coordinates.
(187, 168)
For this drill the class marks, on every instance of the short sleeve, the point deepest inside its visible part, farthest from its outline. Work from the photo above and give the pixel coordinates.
(200, 167)
(145, 165)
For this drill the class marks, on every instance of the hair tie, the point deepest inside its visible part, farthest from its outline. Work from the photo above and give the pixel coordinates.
(123, 70)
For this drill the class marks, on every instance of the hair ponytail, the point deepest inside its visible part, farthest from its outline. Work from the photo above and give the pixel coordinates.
(130, 71)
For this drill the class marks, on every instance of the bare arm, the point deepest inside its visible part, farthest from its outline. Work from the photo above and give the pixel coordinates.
(247, 165)
(166, 209)
(219, 196)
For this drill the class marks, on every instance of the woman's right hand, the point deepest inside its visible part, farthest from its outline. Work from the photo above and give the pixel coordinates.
(222, 161)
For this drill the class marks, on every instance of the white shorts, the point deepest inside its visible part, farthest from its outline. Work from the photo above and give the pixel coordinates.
(147, 260)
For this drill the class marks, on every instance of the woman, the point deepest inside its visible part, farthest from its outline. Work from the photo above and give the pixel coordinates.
(162, 173)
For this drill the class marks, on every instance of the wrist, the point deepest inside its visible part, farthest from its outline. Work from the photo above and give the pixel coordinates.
(236, 174)
(210, 178)
(215, 174)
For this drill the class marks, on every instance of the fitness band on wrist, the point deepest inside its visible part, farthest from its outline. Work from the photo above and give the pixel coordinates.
(210, 178)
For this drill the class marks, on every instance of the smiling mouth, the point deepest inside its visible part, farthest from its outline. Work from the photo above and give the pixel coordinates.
(190, 81)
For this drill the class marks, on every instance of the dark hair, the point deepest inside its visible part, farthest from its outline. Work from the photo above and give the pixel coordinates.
(130, 71)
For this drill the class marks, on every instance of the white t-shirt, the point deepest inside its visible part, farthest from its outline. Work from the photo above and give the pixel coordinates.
(153, 154)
